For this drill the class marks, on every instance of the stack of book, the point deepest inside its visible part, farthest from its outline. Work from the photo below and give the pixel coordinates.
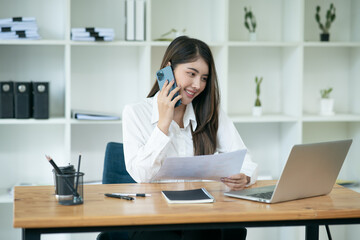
(19, 28)
(92, 34)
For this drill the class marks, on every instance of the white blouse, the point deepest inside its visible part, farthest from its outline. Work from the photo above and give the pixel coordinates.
(146, 146)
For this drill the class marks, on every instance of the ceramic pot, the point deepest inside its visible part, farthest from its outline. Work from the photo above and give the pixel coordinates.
(252, 36)
(324, 37)
(257, 111)
(327, 106)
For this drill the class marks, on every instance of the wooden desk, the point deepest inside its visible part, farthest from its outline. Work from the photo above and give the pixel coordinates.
(36, 210)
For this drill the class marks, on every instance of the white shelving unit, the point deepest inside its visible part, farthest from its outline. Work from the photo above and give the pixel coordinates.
(105, 76)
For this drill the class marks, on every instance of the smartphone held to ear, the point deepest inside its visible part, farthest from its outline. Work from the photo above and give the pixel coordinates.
(167, 74)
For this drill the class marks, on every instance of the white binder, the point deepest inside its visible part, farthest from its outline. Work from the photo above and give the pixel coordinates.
(140, 20)
(130, 20)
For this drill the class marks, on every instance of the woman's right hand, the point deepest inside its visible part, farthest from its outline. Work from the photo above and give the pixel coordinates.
(166, 106)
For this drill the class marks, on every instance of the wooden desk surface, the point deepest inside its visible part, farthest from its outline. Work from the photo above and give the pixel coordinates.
(36, 207)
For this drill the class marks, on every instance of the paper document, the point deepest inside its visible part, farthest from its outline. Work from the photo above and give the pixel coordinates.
(205, 167)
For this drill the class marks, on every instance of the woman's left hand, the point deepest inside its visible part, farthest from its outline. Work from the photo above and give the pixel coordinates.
(236, 181)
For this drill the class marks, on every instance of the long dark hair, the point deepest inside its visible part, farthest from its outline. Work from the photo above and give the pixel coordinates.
(206, 105)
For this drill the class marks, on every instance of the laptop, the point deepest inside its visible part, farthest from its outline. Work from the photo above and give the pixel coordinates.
(311, 170)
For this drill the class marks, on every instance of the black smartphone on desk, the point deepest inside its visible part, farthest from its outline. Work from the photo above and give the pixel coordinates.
(167, 74)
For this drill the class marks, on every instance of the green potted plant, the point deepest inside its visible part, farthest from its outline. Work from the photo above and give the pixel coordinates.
(326, 103)
(330, 18)
(250, 23)
(257, 109)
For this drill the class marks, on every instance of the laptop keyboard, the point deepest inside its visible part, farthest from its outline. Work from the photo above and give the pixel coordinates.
(264, 195)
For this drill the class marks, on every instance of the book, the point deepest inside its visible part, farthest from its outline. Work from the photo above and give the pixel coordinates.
(93, 29)
(105, 39)
(92, 34)
(140, 20)
(18, 28)
(19, 35)
(199, 195)
(130, 20)
(18, 19)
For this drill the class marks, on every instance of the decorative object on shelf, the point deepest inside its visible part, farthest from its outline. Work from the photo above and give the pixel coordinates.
(250, 24)
(257, 109)
(330, 17)
(175, 33)
(326, 103)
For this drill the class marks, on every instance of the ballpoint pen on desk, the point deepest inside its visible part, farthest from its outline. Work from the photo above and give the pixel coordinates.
(119, 196)
(134, 194)
(58, 171)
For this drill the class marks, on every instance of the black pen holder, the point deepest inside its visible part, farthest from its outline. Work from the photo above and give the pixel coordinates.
(59, 191)
(70, 188)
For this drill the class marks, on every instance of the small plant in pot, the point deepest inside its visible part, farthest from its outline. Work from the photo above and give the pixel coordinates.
(257, 109)
(250, 24)
(326, 103)
(330, 18)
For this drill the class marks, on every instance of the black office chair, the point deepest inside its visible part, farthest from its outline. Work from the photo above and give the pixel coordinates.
(114, 165)
(115, 172)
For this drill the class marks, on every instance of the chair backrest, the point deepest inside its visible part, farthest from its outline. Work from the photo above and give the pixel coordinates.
(114, 165)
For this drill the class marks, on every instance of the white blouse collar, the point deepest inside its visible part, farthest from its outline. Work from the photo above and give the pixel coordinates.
(189, 115)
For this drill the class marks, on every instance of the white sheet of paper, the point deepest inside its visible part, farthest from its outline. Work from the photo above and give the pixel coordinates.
(205, 167)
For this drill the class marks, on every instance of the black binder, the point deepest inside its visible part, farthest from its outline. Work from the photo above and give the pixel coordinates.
(40, 95)
(6, 99)
(22, 92)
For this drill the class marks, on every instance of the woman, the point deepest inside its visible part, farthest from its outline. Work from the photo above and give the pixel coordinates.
(155, 129)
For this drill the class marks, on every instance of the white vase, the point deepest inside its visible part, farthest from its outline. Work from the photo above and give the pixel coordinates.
(327, 106)
(252, 36)
(257, 111)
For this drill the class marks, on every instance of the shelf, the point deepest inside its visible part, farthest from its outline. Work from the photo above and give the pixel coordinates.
(110, 43)
(331, 44)
(88, 122)
(32, 121)
(33, 42)
(335, 118)
(262, 119)
(263, 44)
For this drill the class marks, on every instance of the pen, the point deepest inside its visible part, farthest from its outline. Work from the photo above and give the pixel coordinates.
(134, 194)
(78, 172)
(118, 196)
